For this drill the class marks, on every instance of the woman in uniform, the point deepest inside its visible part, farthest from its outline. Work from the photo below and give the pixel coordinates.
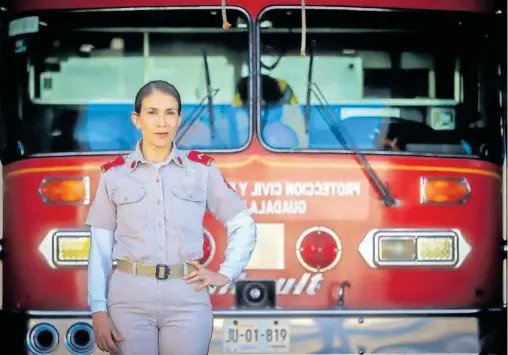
(147, 215)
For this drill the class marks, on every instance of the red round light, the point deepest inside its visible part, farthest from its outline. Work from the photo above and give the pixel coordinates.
(318, 249)
(208, 248)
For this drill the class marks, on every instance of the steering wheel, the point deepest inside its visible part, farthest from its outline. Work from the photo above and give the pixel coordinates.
(267, 49)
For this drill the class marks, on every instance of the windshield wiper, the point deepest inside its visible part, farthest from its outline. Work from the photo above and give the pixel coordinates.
(340, 133)
(209, 95)
(196, 113)
(309, 87)
(194, 116)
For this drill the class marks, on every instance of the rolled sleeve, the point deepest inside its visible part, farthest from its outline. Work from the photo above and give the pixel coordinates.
(222, 201)
(102, 213)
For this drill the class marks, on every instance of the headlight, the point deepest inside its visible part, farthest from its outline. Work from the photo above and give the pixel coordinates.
(63, 247)
(72, 249)
(436, 248)
(415, 249)
(402, 249)
(405, 247)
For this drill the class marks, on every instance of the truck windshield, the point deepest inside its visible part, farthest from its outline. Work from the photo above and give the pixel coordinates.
(76, 77)
(398, 82)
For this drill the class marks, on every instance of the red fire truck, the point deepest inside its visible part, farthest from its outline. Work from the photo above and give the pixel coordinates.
(373, 164)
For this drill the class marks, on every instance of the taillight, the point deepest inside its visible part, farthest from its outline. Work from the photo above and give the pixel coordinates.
(437, 190)
(318, 249)
(66, 190)
(208, 248)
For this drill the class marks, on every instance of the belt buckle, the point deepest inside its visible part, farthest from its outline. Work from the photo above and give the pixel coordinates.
(158, 272)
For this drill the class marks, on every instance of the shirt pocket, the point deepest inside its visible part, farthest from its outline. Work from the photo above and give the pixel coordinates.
(189, 204)
(131, 209)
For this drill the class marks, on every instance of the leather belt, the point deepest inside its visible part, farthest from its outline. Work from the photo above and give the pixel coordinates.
(159, 271)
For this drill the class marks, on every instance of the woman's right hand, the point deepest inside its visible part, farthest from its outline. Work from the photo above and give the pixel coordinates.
(105, 333)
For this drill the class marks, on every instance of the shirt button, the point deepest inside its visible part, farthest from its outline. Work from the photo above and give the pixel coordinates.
(158, 201)
(157, 180)
(160, 247)
(160, 225)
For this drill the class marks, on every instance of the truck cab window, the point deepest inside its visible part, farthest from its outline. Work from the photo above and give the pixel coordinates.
(401, 86)
(78, 76)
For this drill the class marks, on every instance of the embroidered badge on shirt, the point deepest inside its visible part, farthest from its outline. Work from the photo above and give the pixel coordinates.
(190, 177)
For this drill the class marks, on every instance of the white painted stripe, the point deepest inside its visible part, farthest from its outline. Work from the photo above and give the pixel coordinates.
(269, 251)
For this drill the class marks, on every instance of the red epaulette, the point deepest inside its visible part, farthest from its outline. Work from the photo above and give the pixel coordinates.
(115, 162)
(201, 158)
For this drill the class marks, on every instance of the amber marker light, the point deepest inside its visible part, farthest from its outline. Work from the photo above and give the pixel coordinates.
(66, 190)
(444, 190)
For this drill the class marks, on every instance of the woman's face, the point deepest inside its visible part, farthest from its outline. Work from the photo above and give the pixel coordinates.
(158, 119)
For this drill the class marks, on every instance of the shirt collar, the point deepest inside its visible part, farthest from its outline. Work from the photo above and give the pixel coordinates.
(137, 157)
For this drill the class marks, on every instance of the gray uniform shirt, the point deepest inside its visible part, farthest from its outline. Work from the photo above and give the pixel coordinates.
(156, 214)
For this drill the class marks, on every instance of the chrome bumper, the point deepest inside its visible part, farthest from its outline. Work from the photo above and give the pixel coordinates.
(336, 331)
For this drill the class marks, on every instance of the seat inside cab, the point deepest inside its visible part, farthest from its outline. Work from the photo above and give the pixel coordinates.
(281, 121)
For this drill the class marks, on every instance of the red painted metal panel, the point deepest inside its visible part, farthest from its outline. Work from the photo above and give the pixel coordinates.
(254, 6)
(468, 286)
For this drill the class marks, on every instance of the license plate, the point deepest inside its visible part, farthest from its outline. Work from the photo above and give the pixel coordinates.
(256, 336)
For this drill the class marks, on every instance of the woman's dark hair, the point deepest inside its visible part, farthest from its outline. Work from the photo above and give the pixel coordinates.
(156, 85)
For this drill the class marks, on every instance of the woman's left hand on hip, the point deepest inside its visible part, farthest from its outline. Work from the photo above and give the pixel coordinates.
(205, 276)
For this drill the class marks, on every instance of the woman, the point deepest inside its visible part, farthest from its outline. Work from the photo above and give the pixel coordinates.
(147, 214)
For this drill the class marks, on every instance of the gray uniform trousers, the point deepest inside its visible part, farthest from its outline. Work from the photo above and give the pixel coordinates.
(165, 317)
